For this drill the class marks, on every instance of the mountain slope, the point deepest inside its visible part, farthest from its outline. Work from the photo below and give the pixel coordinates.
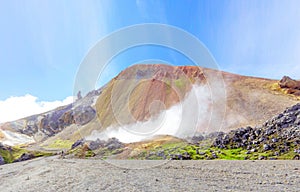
(142, 92)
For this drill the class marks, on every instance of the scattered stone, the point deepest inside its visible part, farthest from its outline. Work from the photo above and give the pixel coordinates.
(2, 162)
(214, 155)
(77, 143)
(79, 95)
(25, 157)
(83, 114)
(262, 158)
(297, 151)
(280, 134)
(266, 147)
(93, 145)
(114, 143)
(253, 150)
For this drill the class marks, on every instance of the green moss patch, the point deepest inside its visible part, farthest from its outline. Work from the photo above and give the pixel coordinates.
(13, 153)
(60, 144)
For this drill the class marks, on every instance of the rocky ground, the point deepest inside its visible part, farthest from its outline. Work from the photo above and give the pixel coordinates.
(277, 136)
(54, 174)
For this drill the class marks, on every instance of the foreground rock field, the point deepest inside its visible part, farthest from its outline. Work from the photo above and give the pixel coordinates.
(54, 174)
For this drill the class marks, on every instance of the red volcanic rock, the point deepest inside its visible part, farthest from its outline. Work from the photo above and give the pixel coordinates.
(141, 91)
(292, 86)
(287, 82)
(160, 71)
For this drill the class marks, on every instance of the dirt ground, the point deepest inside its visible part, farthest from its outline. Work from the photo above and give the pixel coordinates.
(55, 174)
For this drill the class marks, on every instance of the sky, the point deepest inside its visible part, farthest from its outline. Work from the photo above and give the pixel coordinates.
(42, 43)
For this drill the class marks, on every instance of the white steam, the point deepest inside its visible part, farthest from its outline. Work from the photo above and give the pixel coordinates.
(181, 120)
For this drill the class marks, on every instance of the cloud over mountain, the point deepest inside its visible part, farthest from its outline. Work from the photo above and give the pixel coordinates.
(18, 107)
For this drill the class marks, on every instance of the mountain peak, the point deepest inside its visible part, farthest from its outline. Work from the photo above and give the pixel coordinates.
(160, 71)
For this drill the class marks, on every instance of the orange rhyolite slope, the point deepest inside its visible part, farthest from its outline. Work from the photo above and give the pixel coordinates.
(142, 91)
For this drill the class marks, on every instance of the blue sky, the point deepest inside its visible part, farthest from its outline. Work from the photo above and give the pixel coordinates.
(43, 42)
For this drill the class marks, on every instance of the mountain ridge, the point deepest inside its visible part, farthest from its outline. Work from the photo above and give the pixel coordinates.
(249, 101)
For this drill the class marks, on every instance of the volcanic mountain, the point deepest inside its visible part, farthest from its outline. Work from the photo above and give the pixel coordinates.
(143, 93)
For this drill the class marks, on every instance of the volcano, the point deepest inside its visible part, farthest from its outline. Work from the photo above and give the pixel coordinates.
(142, 93)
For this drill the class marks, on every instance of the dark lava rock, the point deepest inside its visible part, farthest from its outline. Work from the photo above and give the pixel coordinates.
(296, 157)
(214, 155)
(197, 138)
(77, 143)
(279, 134)
(184, 156)
(276, 153)
(83, 114)
(50, 123)
(97, 144)
(262, 158)
(25, 157)
(111, 144)
(297, 151)
(266, 147)
(2, 162)
(114, 143)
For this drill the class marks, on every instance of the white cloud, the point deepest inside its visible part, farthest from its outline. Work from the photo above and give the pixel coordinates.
(15, 108)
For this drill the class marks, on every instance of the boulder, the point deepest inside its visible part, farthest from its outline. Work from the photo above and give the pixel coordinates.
(287, 82)
(93, 145)
(83, 115)
(267, 147)
(114, 143)
(292, 86)
(25, 157)
(296, 157)
(2, 162)
(78, 143)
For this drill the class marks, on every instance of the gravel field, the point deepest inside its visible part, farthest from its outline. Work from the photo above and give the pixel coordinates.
(54, 174)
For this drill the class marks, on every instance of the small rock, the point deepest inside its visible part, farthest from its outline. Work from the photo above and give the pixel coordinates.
(297, 151)
(2, 162)
(214, 156)
(253, 150)
(266, 147)
(262, 158)
(296, 157)
(25, 157)
(77, 143)
(94, 145)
